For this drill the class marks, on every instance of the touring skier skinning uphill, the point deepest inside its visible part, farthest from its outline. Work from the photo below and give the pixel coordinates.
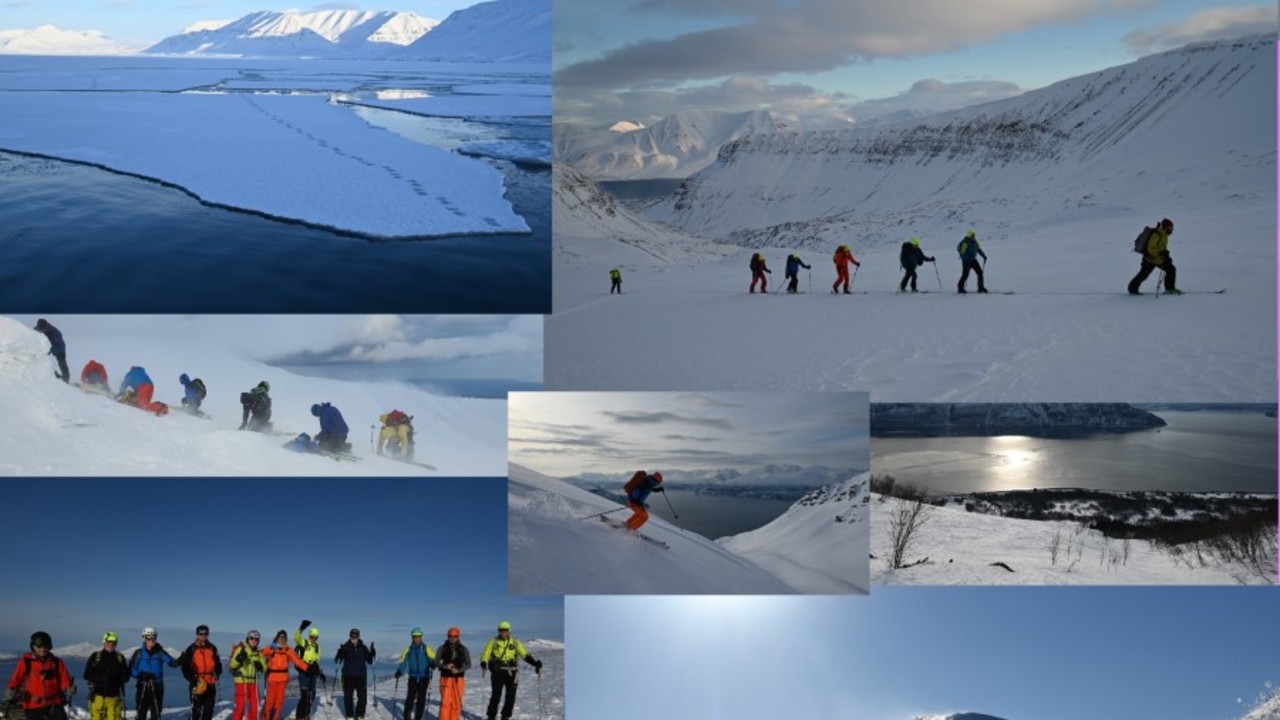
(247, 665)
(418, 659)
(910, 258)
(637, 490)
(57, 347)
(615, 281)
(277, 658)
(843, 258)
(106, 674)
(202, 667)
(40, 681)
(307, 648)
(500, 657)
(1157, 256)
(758, 268)
(454, 659)
(969, 250)
(355, 657)
(146, 665)
(794, 263)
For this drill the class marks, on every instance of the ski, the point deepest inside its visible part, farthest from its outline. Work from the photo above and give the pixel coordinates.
(340, 456)
(410, 462)
(638, 535)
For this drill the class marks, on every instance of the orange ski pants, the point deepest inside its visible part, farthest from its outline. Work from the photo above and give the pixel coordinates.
(275, 698)
(639, 516)
(842, 276)
(144, 401)
(451, 689)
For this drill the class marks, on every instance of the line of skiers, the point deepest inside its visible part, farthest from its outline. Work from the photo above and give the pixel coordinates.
(43, 686)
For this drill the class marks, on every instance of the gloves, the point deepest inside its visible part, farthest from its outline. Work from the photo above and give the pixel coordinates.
(258, 664)
(659, 489)
(398, 674)
(11, 696)
(932, 259)
(305, 623)
(484, 665)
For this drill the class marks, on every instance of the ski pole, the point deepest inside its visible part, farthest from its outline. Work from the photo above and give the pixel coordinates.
(810, 280)
(606, 512)
(673, 509)
(1159, 282)
(403, 710)
(541, 709)
(937, 274)
(854, 279)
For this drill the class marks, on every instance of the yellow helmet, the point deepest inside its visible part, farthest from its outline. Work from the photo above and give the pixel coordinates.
(915, 241)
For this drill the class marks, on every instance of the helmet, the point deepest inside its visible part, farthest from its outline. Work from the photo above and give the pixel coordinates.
(282, 634)
(915, 241)
(110, 637)
(202, 629)
(504, 625)
(315, 410)
(41, 638)
(148, 632)
(253, 635)
(845, 248)
(315, 633)
(454, 632)
(416, 632)
(1167, 224)
(265, 385)
(970, 233)
(184, 378)
(657, 477)
(355, 631)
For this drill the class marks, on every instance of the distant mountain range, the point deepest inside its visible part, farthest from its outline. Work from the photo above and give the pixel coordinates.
(50, 40)
(980, 419)
(329, 32)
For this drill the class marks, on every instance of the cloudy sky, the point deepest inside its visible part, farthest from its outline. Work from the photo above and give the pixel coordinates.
(145, 22)
(378, 554)
(1027, 653)
(826, 61)
(443, 346)
(562, 434)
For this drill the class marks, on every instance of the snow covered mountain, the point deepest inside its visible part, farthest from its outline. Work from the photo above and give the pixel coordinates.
(79, 650)
(589, 223)
(295, 34)
(1268, 709)
(49, 40)
(958, 716)
(497, 31)
(556, 544)
(820, 544)
(929, 419)
(51, 428)
(767, 481)
(675, 147)
(1189, 126)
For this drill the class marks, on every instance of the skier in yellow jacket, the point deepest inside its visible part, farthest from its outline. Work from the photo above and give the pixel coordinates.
(500, 657)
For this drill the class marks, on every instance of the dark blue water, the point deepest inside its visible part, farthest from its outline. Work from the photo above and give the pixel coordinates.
(77, 239)
(641, 189)
(715, 516)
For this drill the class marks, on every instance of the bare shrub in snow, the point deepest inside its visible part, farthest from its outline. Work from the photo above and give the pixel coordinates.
(905, 518)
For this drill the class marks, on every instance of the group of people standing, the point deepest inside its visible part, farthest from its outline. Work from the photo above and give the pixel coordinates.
(42, 684)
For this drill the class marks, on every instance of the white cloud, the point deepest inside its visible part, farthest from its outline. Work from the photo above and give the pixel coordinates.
(1212, 24)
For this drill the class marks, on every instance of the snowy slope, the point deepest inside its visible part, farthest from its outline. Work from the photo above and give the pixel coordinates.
(497, 31)
(49, 40)
(677, 146)
(1056, 214)
(295, 34)
(961, 548)
(819, 545)
(1268, 709)
(49, 428)
(553, 550)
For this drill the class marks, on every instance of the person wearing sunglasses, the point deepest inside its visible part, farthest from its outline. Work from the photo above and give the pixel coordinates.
(454, 659)
(246, 666)
(106, 674)
(308, 650)
(202, 667)
(501, 658)
(355, 657)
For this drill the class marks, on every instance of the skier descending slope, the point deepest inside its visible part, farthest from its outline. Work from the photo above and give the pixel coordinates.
(843, 256)
(638, 489)
(1157, 256)
(910, 258)
(969, 250)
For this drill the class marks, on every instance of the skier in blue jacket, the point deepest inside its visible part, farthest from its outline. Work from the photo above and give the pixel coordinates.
(193, 393)
(969, 250)
(146, 665)
(794, 263)
(333, 429)
(418, 659)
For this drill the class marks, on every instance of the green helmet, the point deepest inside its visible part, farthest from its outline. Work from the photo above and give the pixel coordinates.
(969, 234)
(504, 625)
(110, 637)
(915, 241)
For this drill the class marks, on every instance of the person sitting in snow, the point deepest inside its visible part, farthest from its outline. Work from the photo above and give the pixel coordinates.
(396, 433)
(333, 429)
(193, 393)
(94, 377)
(57, 348)
(257, 408)
(758, 268)
(637, 490)
(794, 263)
(136, 390)
(910, 258)
(1157, 256)
(615, 281)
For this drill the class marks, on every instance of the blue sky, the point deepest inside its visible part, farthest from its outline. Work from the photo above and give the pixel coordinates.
(1101, 653)
(406, 346)
(566, 433)
(235, 554)
(825, 61)
(148, 21)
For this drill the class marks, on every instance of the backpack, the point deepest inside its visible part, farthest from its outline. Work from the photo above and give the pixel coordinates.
(634, 482)
(1140, 242)
(755, 262)
(198, 384)
(395, 417)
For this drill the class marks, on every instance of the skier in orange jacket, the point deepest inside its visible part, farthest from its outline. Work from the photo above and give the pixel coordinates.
(842, 258)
